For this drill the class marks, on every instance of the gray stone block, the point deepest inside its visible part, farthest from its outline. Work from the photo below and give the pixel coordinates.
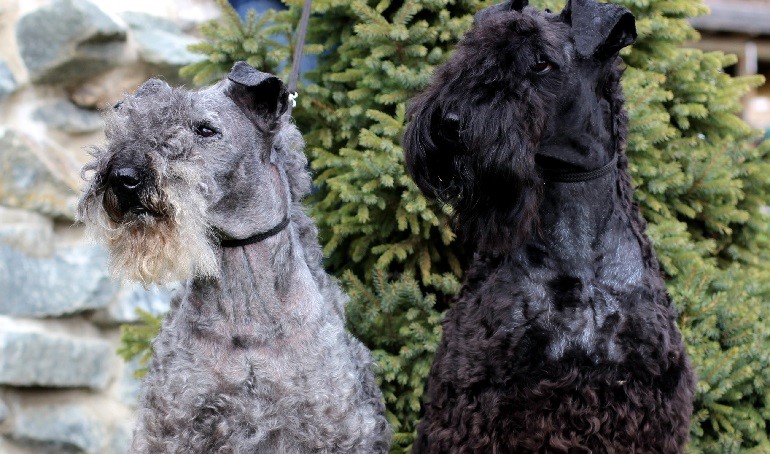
(121, 438)
(104, 90)
(69, 118)
(144, 21)
(26, 231)
(7, 81)
(8, 446)
(3, 412)
(34, 178)
(68, 40)
(161, 42)
(123, 309)
(31, 358)
(129, 386)
(75, 279)
(66, 428)
(164, 49)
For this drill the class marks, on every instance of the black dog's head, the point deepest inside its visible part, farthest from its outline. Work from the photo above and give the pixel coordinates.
(522, 86)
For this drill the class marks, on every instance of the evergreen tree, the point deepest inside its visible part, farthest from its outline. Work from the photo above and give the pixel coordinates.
(701, 183)
(136, 340)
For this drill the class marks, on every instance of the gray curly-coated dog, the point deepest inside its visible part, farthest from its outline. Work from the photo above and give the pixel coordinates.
(253, 357)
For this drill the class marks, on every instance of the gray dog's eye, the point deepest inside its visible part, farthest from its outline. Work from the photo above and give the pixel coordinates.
(205, 130)
(542, 66)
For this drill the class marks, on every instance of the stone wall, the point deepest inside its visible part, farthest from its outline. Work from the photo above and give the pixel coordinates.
(62, 387)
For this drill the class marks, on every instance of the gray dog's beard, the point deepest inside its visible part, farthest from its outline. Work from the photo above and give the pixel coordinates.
(156, 248)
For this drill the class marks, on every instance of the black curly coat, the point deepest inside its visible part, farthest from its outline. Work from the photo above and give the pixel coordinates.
(563, 338)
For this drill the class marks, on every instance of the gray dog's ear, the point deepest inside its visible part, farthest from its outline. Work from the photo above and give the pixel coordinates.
(600, 30)
(149, 88)
(262, 96)
(152, 87)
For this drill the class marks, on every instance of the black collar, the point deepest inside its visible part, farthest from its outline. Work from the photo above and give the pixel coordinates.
(578, 177)
(258, 237)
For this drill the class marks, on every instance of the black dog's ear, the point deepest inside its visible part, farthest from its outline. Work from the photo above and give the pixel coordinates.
(445, 130)
(262, 96)
(600, 30)
(433, 150)
(509, 5)
(518, 5)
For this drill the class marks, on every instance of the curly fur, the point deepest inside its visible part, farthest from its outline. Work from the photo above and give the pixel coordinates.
(476, 102)
(563, 338)
(254, 356)
(171, 241)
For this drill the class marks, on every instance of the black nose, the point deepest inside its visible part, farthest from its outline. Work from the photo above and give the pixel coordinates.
(126, 178)
(126, 183)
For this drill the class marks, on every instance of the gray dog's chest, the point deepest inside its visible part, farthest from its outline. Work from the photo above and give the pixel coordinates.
(259, 347)
(235, 351)
(271, 390)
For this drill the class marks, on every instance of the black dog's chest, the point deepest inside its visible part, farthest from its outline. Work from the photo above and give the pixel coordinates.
(547, 313)
(575, 317)
(579, 285)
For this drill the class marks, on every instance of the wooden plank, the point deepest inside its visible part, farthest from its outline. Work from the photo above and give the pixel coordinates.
(733, 45)
(748, 17)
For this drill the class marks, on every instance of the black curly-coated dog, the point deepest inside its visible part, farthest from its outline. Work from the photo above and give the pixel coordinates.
(563, 338)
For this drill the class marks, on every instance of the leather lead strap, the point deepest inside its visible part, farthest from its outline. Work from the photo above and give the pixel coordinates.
(297, 58)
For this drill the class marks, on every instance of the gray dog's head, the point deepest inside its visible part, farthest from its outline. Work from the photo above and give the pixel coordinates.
(183, 169)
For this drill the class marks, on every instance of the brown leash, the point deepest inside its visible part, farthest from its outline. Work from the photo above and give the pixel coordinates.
(294, 76)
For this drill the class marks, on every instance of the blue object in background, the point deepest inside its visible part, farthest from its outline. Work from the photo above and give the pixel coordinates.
(260, 6)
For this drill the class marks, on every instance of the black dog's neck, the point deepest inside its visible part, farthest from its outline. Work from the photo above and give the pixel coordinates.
(577, 210)
(583, 226)
(580, 134)
(554, 174)
(578, 161)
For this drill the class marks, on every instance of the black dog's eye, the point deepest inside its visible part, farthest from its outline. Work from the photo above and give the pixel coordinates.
(205, 130)
(542, 66)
